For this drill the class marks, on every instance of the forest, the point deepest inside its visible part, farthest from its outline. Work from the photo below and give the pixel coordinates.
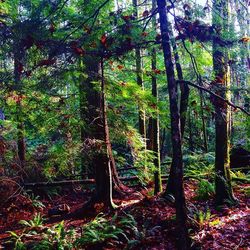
(124, 124)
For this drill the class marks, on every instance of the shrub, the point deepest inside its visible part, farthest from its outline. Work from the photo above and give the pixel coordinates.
(205, 190)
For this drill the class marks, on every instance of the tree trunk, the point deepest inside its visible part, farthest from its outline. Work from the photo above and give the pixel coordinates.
(97, 133)
(180, 203)
(183, 106)
(223, 188)
(142, 118)
(105, 159)
(154, 129)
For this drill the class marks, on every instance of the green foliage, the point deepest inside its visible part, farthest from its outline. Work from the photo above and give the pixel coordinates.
(96, 232)
(35, 200)
(37, 221)
(101, 230)
(143, 158)
(205, 190)
(17, 239)
(199, 165)
(57, 237)
(202, 217)
(246, 191)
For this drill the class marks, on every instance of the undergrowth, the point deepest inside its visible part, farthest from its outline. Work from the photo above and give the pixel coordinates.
(119, 230)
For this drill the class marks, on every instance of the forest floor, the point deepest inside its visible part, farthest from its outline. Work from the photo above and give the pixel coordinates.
(225, 229)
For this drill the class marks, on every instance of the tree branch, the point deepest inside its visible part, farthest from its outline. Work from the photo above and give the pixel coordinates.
(215, 95)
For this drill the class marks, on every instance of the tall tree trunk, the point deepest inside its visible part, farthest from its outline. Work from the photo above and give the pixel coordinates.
(97, 131)
(180, 203)
(223, 188)
(142, 118)
(154, 129)
(162, 140)
(105, 159)
(183, 106)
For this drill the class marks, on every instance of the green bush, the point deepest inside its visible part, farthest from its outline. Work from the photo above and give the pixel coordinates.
(205, 190)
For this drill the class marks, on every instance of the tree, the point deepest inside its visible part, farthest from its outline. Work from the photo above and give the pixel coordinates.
(138, 58)
(183, 106)
(154, 128)
(223, 188)
(177, 162)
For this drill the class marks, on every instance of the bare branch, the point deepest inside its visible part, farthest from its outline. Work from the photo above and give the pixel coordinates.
(215, 95)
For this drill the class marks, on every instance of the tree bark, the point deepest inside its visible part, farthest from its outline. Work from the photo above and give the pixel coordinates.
(154, 129)
(223, 188)
(97, 132)
(183, 240)
(183, 106)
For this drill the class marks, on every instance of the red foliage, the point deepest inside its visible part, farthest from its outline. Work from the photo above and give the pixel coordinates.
(46, 62)
(218, 79)
(126, 18)
(157, 71)
(144, 34)
(120, 66)
(79, 51)
(52, 28)
(19, 68)
(145, 13)
(245, 39)
(103, 39)
(158, 37)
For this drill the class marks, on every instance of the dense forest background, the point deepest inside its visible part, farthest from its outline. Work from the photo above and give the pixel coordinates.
(124, 124)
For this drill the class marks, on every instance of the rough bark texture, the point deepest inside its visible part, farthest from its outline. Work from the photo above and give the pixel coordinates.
(180, 203)
(95, 118)
(223, 189)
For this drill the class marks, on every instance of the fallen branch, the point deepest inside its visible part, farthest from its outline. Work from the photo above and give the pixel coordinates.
(215, 95)
(71, 182)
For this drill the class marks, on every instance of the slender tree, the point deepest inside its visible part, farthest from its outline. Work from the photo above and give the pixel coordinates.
(154, 128)
(138, 60)
(180, 203)
(183, 105)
